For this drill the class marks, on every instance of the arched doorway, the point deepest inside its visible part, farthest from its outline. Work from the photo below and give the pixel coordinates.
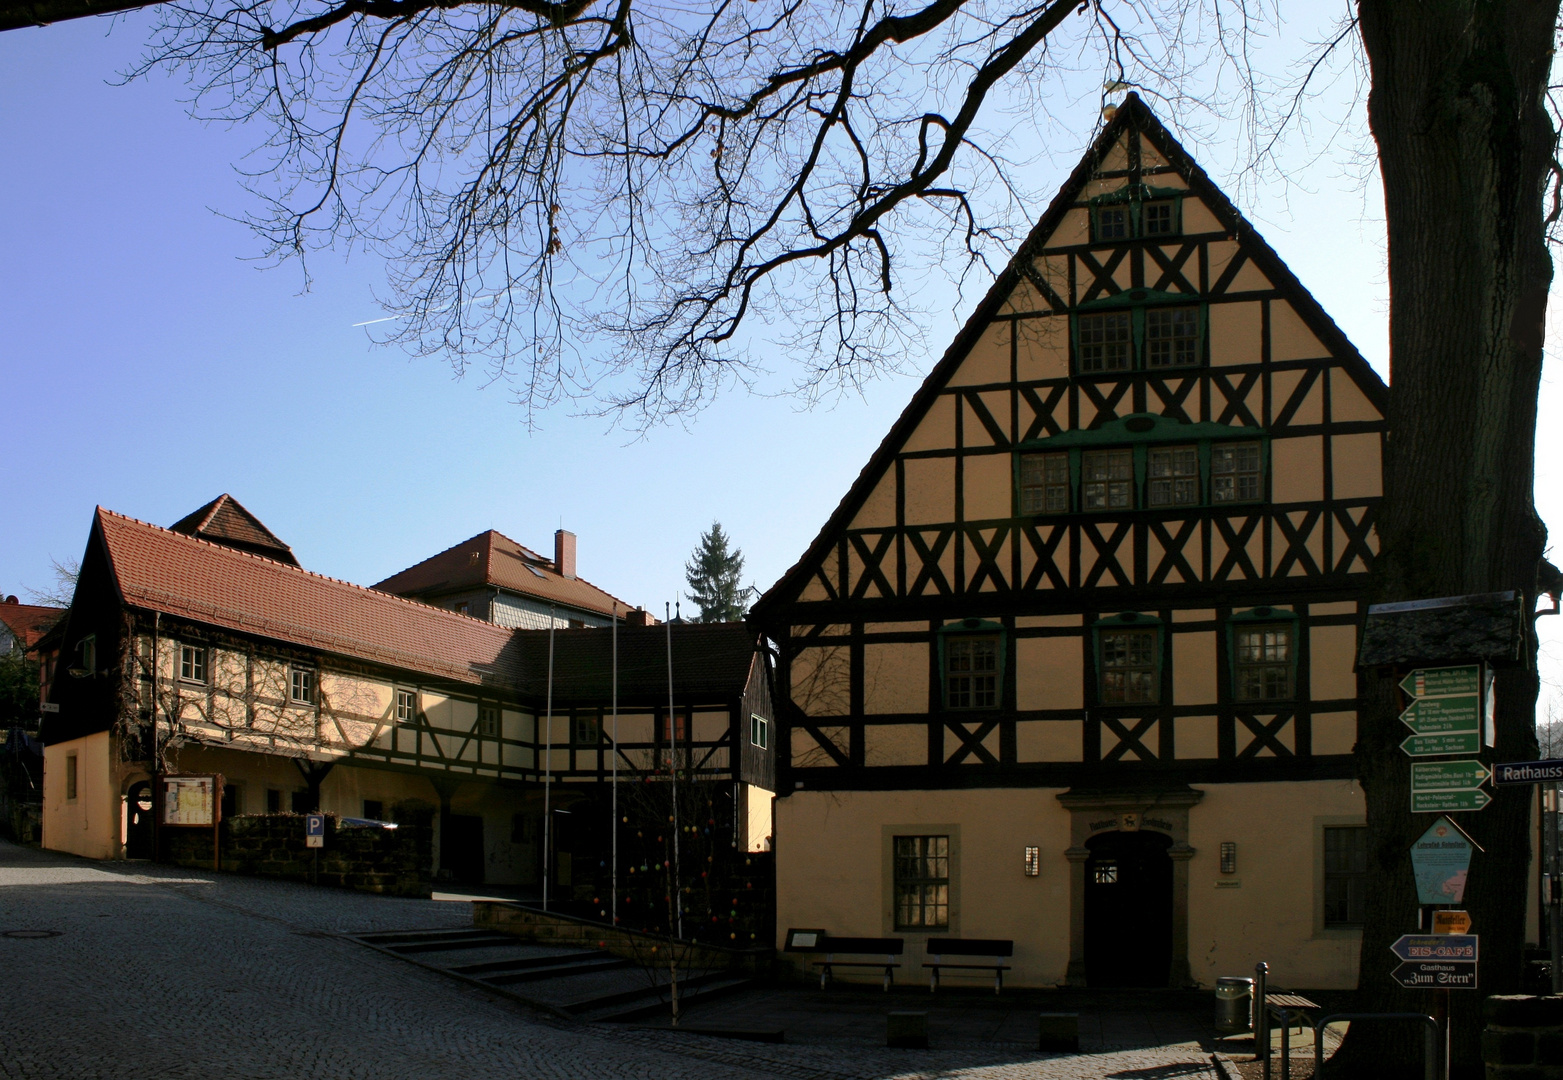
(138, 821)
(1128, 909)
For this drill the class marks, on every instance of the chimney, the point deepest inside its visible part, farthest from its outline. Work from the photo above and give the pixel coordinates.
(564, 553)
(638, 617)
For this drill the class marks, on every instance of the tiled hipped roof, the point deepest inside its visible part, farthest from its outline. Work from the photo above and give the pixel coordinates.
(161, 570)
(492, 558)
(224, 521)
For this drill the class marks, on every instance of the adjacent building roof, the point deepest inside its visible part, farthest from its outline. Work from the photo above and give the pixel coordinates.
(28, 622)
(710, 661)
(189, 577)
(224, 521)
(492, 559)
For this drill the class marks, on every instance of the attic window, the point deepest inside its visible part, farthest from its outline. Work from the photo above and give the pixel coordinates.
(536, 571)
(1158, 218)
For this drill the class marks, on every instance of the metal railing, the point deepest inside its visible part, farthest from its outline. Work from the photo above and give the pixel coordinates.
(1429, 1044)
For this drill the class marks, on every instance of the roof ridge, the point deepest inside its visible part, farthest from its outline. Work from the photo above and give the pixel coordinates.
(419, 605)
(211, 512)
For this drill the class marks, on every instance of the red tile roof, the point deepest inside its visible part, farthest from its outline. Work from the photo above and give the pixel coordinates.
(28, 622)
(492, 558)
(162, 570)
(225, 521)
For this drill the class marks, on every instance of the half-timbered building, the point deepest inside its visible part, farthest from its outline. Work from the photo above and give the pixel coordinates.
(1072, 662)
(193, 651)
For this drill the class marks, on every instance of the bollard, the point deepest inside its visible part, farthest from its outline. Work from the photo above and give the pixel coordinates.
(907, 1030)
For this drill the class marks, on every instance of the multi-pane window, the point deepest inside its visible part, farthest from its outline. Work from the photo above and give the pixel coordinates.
(1171, 337)
(488, 721)
(971, 672)
(1106, 341)
(922, 882)
(1128, 665)
(1262, 662)
(192, 663)
(1107, 480)
(302, 688)
(1345, 875)
(1173, 478)
(1044, 484)
(89, 654)
(1156, 218)
(583, 731)
(406, 706)
(1112, 222)
(759, 731)
(1105, 873)
(1234, 472)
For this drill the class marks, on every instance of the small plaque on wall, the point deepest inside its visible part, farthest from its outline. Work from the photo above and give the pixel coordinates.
(1229, 883)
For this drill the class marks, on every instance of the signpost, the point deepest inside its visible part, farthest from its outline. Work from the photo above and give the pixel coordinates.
(1443, 681)
(314, 830)
(1436, 975)
(1440, 858)
(1528, 772)
(1452, 922)
(1445, 714)
(1445, 786)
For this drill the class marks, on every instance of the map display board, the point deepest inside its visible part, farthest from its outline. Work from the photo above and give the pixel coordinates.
(189, 800)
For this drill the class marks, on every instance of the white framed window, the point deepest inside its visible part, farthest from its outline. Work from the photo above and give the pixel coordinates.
(1234, 472)
(759, 731)
(302, 686)
(1107, 480)
(192, 663)
(406, 706)
(488, 721)
(1174, 476)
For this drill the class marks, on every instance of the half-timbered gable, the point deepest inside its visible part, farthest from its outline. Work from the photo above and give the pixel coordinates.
(1117, 541)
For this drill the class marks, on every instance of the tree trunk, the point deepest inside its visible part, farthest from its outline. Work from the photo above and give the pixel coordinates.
(1465, 146)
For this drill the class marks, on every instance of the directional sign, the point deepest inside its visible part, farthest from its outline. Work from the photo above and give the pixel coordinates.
(1438, 682)
(1448, 775)
(1451, 922)
(1440, 859)
(1461, 742)
(314, 830)
(1437, 947)
(1432, 716)
(1436, 975)
(1448, 802)
(1528, 772)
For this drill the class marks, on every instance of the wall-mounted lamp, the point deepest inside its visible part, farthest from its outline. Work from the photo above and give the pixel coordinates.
(1229, 856)
(77, 672)
(1033, 861)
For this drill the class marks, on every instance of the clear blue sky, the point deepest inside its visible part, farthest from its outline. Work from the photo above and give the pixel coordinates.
(146, 366)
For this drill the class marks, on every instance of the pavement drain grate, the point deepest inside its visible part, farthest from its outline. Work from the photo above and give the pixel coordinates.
(27, 935)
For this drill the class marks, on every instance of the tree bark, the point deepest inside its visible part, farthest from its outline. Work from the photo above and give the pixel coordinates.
(1465, 146)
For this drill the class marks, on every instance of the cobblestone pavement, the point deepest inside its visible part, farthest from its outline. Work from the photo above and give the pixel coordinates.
(156, 972)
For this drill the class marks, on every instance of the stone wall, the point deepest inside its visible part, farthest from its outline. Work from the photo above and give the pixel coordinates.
(395, 862)
(1523, 1039)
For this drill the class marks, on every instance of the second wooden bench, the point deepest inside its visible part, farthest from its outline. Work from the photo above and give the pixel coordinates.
(965, 950)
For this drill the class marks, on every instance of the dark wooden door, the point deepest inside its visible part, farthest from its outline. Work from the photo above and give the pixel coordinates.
(1128, 910)
(462, 848)
(138, 821)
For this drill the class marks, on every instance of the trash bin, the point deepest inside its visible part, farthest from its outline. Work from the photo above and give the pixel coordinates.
(1234, 1005)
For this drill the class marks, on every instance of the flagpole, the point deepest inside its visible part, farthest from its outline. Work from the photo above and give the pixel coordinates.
(548, 764)
(613, 909)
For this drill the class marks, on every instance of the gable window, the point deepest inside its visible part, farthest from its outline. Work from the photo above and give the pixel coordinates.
(971, 671)
(192, 663)
(1264, 654)
(1171, 337)
(1128, 654)
(302, 689)
(1174, 476)
(922, 882)
(1107, 480)
(89, 654)
(1159, 218)
(1112, 222)
(488, 721)
(406, 706)
(1345, 875)
(759, 731)
(1044, 484)
(1234, 472)
(1106, 341)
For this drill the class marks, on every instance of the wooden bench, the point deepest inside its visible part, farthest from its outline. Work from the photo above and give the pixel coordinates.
(818, 941)
(996, 950)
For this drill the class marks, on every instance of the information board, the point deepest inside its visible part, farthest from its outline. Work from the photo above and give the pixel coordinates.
(189, 800)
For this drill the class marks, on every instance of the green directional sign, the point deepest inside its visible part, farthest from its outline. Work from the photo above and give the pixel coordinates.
(1432, 716)
(1447, 775)
(1442, 681)
(1462, 742)
(1439, 802)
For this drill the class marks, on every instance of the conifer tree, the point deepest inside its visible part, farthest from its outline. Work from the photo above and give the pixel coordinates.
(714, 573)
